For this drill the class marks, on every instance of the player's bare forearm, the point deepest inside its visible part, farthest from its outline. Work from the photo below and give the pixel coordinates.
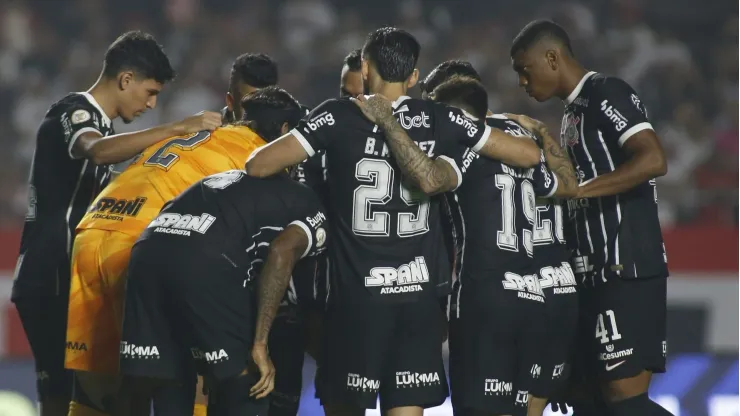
(431, 176)
(275, 157)
(120, 147)
(284, 252)
(646, 161)
(559, 163)
(513, 151)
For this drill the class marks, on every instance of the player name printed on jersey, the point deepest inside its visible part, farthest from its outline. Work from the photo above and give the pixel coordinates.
(117, 209)
(404, 279)
(132, 351)
(412, 379)
(182, 224)
(561, 279)
(527, 287)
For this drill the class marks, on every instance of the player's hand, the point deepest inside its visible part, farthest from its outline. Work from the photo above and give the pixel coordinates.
(266, 383)
(559, 405)
(377, 108)
(205, 120)
(528, 122)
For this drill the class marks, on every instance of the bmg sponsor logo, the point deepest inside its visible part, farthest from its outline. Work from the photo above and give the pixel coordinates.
(619, 121)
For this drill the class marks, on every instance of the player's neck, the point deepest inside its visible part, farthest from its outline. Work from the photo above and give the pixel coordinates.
(570, 78)
(103, 91)
(391, 90)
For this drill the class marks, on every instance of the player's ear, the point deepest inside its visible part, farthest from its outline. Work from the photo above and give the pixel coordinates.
(229, 101)
(413, 79)
(552, 57)
(284, 129)
(365, 70)
(125, 79)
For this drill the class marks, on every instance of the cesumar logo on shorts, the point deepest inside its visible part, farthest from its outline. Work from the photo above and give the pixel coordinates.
(408, 379)
(404, 279)
(182, 224)
(606, 356)
(324, 119)
(116, 209)
(527, 287)
(494, 387)
(146, 352)
(359, 383)
(210, 357)
(465, 122)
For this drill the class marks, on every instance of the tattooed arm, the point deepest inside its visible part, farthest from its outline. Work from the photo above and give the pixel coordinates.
(556, 157)
(431, 176)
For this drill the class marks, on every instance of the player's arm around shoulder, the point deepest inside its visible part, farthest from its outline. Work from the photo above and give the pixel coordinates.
(313, 133)
(430, 176)
(499, 145)
(622, 118)
(102, 150)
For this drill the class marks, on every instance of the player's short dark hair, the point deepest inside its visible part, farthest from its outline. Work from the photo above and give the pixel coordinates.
(266, 109)
(353, 60)
(463, 92)
(537, 30)
(445, 71)
(255, 69)
(140, 53)
(394, 52)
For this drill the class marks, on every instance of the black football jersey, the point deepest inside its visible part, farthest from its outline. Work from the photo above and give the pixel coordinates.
(498, 210)
(388, 236)
(60, 189)
(236, 216)
(616, 235)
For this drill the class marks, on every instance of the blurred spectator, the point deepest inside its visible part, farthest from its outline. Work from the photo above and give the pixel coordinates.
(686, 74)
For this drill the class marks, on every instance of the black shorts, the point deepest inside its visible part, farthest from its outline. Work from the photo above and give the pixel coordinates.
(622, 328)
(287, 348)
(185, 306)
(494, 347)
(44, 320)
(559, 328)
(392, 349)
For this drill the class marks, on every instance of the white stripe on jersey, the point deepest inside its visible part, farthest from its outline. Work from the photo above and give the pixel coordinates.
(619, 207)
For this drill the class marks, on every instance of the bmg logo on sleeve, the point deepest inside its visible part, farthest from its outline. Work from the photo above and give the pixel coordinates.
(323, 119)
(619, 121)
(465, 122)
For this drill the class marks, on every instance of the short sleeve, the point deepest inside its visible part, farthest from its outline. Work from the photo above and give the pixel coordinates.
(318, 128)
(545, 182)
(456, 125)
(311, 218)
(619, 111)
(76, 120)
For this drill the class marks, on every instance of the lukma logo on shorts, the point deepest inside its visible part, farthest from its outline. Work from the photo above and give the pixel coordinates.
(409, 379)
(210, 357)
(494, 387)
(359, 383)
(182, 224)
(147, 352)
(404, 279)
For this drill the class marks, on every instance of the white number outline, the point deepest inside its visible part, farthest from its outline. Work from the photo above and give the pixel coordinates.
(378, 190)
(602, 333)
(507, 239)
(543, 228)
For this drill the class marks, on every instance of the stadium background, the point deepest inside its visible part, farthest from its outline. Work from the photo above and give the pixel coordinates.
(680, 56)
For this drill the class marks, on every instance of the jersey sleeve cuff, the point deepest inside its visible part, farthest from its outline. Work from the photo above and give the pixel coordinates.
(483, 139)
(302, 140)
(457, 170)
(554, 186)
(632, 130)
(309, 235)
(77, 134)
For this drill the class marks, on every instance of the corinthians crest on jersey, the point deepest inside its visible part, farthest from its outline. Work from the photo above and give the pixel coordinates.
(569, 129)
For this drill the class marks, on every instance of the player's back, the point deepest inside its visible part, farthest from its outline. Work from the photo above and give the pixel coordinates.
(498, 206)
(388, 236)
(162, 172)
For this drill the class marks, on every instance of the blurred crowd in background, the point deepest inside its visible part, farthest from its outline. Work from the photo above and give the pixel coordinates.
(681, 57)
